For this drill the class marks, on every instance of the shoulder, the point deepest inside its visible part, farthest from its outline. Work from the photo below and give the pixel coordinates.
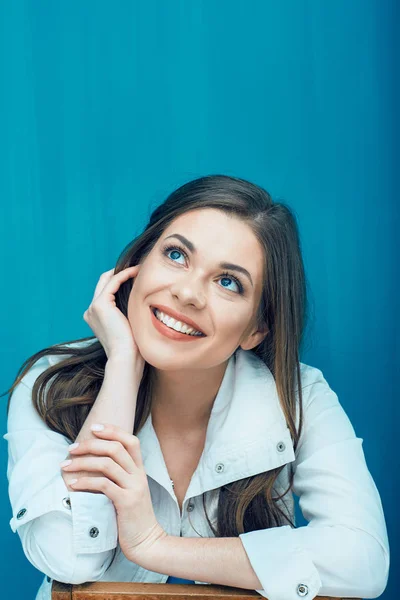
(313, 382)
(317, 394)
(21, 413)
(53, 359)
(49, 360)
(311, 377)
(321, 404)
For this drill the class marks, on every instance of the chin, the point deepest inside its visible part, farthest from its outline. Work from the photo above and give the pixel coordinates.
(166, 359)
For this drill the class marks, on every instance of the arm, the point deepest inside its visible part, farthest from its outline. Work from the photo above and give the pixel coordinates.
(221, 561)
(45, 510)
(343, 551)
(115, 403)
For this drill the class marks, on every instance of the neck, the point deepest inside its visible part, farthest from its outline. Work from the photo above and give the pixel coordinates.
(182, 401)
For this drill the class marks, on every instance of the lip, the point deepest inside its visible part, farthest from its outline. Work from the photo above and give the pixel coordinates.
(178, 316)
(170, 333)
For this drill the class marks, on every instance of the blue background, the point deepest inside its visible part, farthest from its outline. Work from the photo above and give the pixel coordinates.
(105, 108)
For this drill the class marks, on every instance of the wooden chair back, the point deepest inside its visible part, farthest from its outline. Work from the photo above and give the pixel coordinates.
(116, 590)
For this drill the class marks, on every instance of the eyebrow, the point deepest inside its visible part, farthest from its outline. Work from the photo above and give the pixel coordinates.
(223, 265)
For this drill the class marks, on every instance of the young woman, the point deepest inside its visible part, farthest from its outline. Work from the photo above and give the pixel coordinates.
(210, 421)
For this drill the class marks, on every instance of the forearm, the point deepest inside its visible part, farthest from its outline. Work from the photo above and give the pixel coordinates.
(221, 561)
(115, 403)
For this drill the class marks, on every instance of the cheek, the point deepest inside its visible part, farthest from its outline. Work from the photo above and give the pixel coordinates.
(230, 322)
(144, 281)
(147, 282)
(136, 297)
(152, 274)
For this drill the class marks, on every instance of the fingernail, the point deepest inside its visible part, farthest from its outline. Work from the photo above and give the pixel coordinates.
(96, 427)
(64, 463)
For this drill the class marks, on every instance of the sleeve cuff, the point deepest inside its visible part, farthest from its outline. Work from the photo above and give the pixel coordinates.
(54, 496)
(94, 521)
(284, 569)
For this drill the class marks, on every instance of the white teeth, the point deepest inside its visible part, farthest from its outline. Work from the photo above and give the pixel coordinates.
(176, 325)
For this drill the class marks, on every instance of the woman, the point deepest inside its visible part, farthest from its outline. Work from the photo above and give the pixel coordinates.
(211, 422)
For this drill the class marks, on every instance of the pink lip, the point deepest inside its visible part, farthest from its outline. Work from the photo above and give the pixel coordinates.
(171, 333)
(178, 316)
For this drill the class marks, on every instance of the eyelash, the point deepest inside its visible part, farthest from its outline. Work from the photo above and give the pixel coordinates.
(167, 249)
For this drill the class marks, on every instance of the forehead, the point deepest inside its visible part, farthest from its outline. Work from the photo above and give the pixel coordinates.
(222, 236)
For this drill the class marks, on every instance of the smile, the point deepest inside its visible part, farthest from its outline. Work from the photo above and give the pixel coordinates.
(170, 327)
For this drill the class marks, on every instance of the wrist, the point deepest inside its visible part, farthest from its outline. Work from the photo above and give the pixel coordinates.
(148, 553)
(127, 364)
(121, 356)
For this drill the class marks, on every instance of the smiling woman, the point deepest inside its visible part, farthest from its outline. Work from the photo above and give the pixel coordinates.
(231, 417)
(194, 287)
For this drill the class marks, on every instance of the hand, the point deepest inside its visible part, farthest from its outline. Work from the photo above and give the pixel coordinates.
(108, 323)
(118, 460)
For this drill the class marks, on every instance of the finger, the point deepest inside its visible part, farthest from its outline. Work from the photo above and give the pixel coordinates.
(129, 441)
(104, 277)
(116, 279)
(103, 464)
(114, 283)
(98, 484)
(110, 448)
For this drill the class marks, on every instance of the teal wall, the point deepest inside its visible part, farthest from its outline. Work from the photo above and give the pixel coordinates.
(106, 107)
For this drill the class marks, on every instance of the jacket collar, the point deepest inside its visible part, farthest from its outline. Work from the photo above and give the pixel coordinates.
(246, 433)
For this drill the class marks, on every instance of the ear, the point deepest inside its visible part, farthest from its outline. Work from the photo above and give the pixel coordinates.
(254, 339)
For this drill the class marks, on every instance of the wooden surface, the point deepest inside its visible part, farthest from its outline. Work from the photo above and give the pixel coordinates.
(113, 590)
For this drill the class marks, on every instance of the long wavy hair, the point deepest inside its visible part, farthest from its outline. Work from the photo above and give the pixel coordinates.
(64, 393)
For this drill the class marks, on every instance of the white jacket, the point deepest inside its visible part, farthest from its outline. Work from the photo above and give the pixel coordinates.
(342, 551)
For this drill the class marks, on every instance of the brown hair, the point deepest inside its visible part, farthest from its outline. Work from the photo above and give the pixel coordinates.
(74, 383)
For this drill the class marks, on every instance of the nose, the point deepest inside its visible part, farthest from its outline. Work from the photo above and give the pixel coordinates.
(188, 289)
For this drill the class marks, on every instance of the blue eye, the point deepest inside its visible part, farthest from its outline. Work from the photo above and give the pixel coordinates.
(173, 251)
(225, 276)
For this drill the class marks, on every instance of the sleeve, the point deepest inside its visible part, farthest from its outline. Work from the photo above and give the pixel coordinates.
(69, 536)
(343, 551)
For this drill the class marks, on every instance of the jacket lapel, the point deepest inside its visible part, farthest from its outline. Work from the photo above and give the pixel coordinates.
(246, 434)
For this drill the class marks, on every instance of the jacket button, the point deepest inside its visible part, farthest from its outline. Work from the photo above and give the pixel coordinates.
(93, 532)
(21, 513)
(302, 589)
(280, 446)
(190, 507)
(67, 502)
(219, 467)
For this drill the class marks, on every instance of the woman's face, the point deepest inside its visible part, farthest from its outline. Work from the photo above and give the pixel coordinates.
(192, 282)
